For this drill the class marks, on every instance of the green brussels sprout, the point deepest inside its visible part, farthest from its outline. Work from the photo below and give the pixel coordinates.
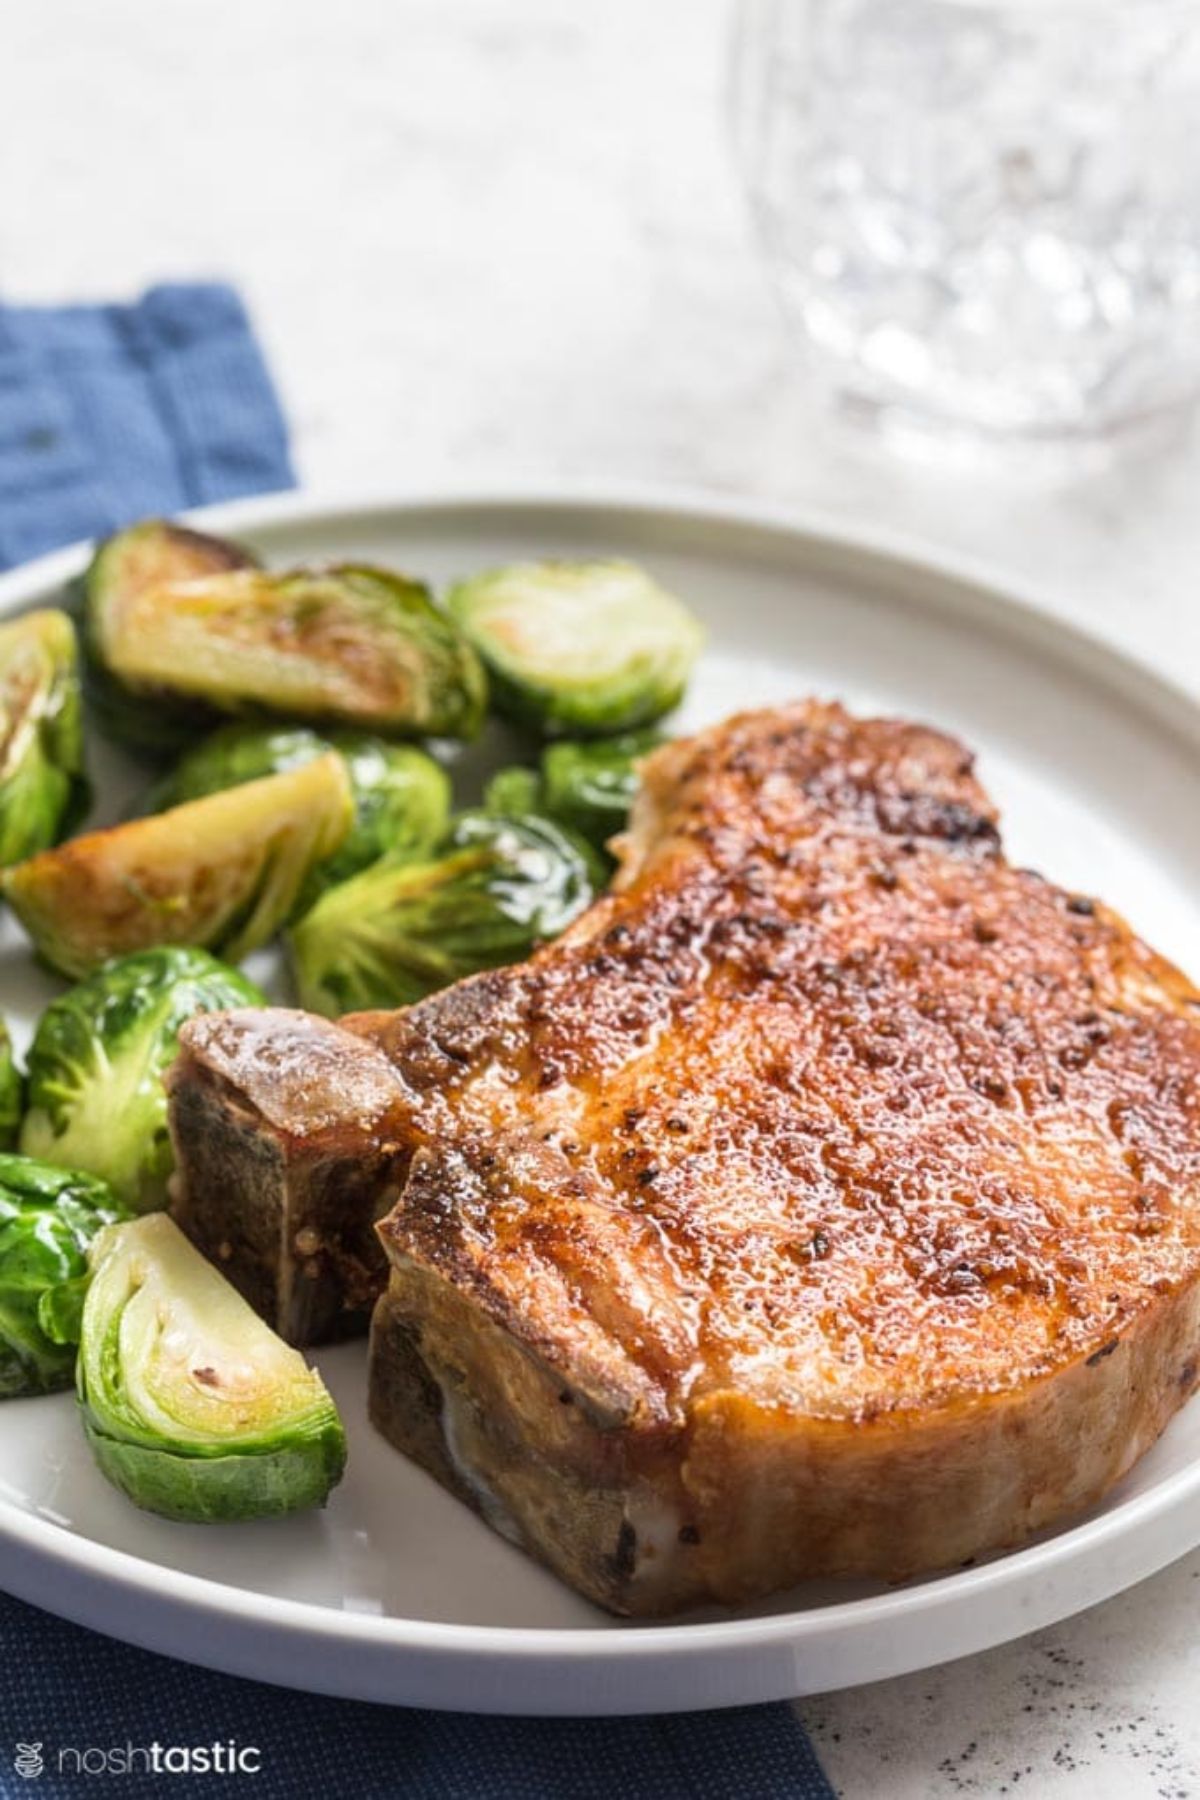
(42, 787)
(579, 649)
(401, 796)
(349, 643)
(192, 1406)
(222, 873)
(229, 757)
(497, 887)
(124, 570)
(48, 1217)
(11, 1091)
(513, 791)
(591, 786)
(96, 1097)
(588, 784)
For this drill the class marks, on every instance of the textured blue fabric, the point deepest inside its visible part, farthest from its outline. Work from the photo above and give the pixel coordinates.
(67, 1691)
(107, 414)
(111, 413)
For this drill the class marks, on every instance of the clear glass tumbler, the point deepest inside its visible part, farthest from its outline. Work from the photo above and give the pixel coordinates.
(984, 213)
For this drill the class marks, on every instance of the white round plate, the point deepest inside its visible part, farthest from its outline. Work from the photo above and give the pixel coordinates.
(398, 1593)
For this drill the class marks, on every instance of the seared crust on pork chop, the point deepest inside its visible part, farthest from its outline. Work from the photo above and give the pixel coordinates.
(826, 1200)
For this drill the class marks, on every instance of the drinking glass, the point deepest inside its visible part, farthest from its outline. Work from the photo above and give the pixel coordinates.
(983, 214)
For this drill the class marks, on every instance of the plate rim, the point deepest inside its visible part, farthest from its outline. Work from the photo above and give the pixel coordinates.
(923, 576)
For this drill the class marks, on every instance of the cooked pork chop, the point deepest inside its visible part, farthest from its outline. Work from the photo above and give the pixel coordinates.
(826, 1200)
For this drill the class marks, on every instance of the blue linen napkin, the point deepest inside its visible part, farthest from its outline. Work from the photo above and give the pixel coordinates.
(66, 1691)
(112, 413)
(107, 414)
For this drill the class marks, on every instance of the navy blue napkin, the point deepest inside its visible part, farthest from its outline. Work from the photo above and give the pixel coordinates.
(107, 414)
(112, 413)
(65, 1692)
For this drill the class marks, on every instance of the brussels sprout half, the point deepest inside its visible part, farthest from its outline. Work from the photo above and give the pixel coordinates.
(588, 784)
(96, 1097)
(514, 790)
(227, 758)
(497, 887)
(42, 785)
(191, 1404)
(124, 570)
(401, 796)
(48, 1217)
(349, 643)
(579, 648)
(592, 785)
(222, 873)
(11, 1091)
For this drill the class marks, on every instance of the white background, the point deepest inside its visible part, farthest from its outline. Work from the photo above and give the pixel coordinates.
(497, 238)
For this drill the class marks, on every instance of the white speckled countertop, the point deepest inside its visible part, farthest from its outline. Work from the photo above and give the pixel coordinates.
(485, 241)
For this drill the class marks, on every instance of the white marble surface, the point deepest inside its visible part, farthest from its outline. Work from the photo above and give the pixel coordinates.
(487, 240)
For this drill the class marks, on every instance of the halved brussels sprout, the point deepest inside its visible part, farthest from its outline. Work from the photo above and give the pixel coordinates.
(222, 873)
(588, 784)
(191, 1404)
(42, 785)
(350, 644)
(11, 1091)
(48, 1217)
(579, 648)
(497, 887)
(229, 757)
(125, 568)
(401, 796)
(592, 785)
(513, 791)
(96, 1097)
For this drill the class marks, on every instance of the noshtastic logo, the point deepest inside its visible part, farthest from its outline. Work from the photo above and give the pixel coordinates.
(221, 1758)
